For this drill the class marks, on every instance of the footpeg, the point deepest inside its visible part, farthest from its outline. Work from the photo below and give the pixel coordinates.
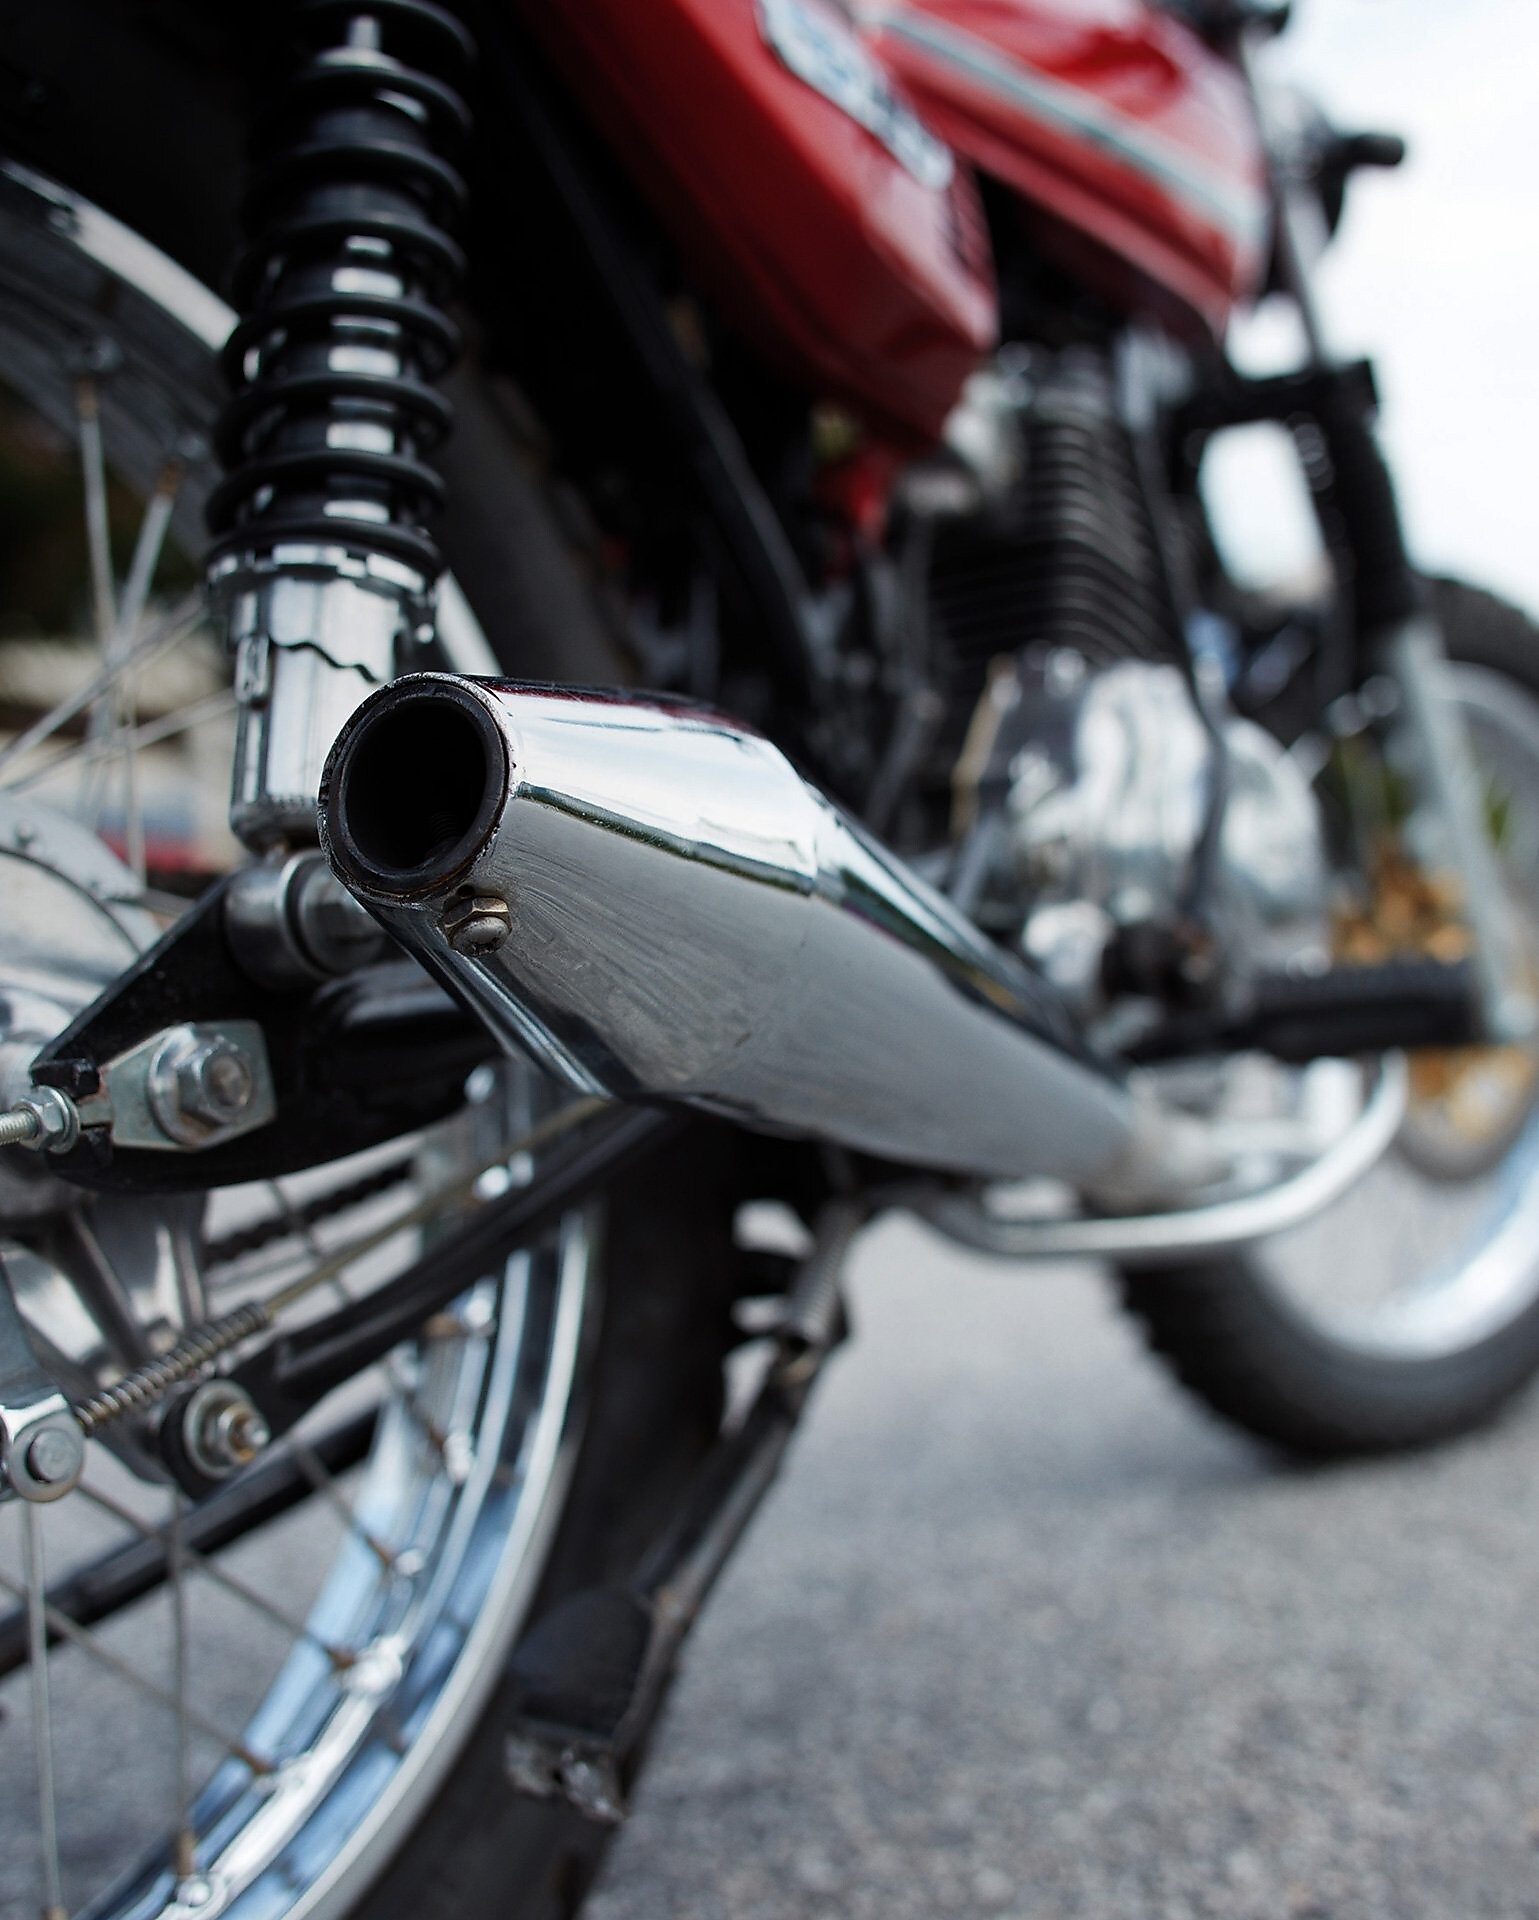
(1299, 1017)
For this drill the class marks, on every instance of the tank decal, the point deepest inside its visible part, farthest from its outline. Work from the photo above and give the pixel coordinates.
(830, 56)
(1078, 113)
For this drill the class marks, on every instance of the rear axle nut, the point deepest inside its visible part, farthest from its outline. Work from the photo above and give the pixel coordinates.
(199, 1085)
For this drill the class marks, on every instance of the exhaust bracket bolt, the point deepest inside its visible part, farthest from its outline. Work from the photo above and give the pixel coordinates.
(475, 924)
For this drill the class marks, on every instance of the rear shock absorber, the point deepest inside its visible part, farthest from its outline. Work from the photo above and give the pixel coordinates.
(322, 562)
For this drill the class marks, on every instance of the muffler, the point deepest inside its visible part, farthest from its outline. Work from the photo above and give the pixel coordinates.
(650, 900)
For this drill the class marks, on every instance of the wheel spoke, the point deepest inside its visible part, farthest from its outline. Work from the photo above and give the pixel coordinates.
(105, 1585)
(177, 624)
(315, 1471)
(128, 740)
(118, 708)
(93, 469)
(174, 1538)
(59, 1626)
(52, 1903)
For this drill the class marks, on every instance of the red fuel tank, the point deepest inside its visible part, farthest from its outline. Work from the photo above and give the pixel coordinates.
(1134, 143)
(808, 199)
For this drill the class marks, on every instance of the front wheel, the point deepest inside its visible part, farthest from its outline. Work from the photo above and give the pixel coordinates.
(1409, 1312)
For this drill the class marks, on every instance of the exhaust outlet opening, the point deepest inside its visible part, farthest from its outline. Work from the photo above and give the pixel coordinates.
(415, 785)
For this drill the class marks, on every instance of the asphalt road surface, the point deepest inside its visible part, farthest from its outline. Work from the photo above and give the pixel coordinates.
(1023, 1633)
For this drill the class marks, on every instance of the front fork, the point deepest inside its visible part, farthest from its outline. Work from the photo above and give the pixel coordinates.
(1395, 631)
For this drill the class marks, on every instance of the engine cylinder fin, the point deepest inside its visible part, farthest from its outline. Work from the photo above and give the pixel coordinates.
(1070, 559)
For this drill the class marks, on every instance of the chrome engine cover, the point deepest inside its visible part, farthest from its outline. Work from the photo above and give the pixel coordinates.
(1107, 804)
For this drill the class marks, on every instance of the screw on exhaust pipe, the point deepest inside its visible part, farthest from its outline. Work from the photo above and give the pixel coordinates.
(476, 923)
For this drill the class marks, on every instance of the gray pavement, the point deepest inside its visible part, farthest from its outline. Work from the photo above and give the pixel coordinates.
(1023, 1633)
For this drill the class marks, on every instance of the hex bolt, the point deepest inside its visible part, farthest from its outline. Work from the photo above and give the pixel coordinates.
(476, 924)
(55, 1457)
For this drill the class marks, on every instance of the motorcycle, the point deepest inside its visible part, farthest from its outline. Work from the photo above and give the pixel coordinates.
(492, 915)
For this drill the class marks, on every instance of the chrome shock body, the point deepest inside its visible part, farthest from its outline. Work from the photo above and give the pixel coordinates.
(322, 563)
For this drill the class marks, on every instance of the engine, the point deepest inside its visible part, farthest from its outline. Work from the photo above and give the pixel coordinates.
(1058, 646)
(1107, 804)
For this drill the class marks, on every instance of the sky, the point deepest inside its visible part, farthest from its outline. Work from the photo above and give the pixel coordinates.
(1436, 270)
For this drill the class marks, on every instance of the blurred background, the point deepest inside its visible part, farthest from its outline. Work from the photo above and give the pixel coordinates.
(1435, 274)
(1023, 1633)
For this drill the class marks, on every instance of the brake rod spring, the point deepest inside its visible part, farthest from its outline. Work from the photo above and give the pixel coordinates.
(148, 1385)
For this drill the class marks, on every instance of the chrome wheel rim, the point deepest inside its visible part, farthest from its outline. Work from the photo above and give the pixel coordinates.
(275, 1780)
(1429, 1257)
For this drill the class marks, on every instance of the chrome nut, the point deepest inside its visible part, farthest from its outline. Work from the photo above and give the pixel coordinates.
(477, 923)
(223, 1429)
(199, 1086)
(58, 1120)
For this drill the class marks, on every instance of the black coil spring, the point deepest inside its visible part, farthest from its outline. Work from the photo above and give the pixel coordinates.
(355, 204)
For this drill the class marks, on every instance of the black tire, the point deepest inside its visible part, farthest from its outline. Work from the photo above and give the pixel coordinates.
(667, 1267)
(1236, 1341)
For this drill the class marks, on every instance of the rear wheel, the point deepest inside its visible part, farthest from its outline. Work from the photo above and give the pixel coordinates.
(263, 1718)
(1409, 1312)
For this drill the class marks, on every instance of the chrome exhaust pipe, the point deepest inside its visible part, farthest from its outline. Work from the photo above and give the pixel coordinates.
(650, 900)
